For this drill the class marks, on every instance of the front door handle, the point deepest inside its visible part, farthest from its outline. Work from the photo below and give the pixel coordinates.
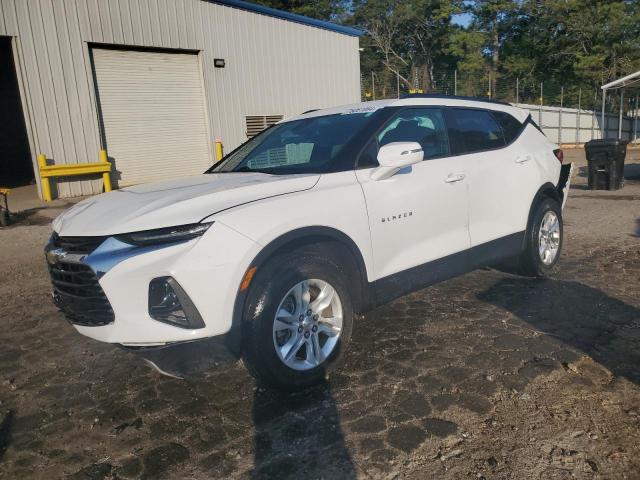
(523, 158)
(455, 177)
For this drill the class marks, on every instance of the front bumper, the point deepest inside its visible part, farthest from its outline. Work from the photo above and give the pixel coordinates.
(209, 269)
(185, 358)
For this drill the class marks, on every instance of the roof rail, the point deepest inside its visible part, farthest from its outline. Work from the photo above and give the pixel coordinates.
(456, 97)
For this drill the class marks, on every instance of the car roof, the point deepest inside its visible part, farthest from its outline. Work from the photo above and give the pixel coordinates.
(416, 100)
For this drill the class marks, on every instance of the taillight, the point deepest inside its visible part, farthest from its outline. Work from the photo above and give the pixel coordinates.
(559, 154)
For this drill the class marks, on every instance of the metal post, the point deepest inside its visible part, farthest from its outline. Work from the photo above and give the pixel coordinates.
(603, 127)
(398, 83)
(578, 117)
(540, 111)
(373, 85)
(620, 116)
(489, 91)
(106, 178)
(219, 149)
(560, 116)
(455, 82)
(593, 114)
(517, 89)
(635, 122)
(44, 181)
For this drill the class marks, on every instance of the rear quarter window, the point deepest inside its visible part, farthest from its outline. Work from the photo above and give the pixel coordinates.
(474, 131)
(511, 127)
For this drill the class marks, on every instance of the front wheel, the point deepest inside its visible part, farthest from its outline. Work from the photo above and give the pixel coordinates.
(543, 240)
(297, 322)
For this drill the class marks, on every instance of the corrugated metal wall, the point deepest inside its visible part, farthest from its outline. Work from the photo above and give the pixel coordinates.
(573, 126)
(273, 66)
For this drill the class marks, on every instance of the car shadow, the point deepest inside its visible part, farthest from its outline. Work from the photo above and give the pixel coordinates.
(579, 187)
(298, 435)
(583, 317)
(5, 432)
(632, 171)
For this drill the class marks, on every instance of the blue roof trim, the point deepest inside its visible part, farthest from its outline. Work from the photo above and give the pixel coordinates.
(293, 17)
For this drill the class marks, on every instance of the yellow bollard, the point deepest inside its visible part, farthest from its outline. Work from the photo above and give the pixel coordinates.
(44, 181)
(219, 149)
(106, 179)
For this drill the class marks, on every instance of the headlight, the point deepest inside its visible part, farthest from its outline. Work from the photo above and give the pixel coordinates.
(165, 235)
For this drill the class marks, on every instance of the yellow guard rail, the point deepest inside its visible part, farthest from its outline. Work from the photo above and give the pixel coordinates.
(48, 171)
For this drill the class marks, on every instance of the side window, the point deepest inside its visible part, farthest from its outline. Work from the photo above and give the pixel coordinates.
(474, 131)
(425, 126)
(510, 126)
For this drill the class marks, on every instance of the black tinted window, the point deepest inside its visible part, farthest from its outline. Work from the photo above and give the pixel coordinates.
(510, 126)
(474, 131)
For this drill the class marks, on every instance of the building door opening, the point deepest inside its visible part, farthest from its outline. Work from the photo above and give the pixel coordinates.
(154, 124)
(16, 168)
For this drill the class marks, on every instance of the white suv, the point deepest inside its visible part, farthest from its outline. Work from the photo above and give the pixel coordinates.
(271, 253)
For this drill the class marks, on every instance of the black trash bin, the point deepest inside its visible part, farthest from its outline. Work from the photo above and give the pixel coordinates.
(606, 163)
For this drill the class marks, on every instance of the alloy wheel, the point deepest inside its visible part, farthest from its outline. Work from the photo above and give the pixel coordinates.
(549, 237)
(307, 324)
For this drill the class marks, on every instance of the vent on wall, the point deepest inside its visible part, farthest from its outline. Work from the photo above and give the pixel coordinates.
(257, 123)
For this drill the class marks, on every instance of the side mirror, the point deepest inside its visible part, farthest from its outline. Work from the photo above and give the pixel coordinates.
(392, 157)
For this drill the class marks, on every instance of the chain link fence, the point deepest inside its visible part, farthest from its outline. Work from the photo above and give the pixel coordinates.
(568, 114)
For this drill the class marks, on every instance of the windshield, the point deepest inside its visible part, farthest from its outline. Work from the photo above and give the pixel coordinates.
(309, 145)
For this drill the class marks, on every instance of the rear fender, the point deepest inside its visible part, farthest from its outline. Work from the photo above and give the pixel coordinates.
(564, 182)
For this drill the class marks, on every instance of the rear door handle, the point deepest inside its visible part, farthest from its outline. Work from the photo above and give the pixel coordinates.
(523, 158)
(454, 177)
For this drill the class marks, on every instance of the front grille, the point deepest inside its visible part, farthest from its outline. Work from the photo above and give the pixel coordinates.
(78, 294)
(81, 245)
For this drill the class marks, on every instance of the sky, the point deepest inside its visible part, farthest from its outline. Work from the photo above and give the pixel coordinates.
(464, 19)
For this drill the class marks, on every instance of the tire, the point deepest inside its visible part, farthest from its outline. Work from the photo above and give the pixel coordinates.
(272, 293)
(543, 246)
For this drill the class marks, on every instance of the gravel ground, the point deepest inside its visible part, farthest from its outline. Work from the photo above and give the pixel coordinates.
(489, 375)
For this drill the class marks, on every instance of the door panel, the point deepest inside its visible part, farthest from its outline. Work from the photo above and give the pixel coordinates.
(499, 177)
(153, 113)
(421, 213)
(499, 193)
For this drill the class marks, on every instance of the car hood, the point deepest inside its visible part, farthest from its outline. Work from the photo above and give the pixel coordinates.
(176, 202)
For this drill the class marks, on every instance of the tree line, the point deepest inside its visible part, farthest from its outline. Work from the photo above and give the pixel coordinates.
(575, 45)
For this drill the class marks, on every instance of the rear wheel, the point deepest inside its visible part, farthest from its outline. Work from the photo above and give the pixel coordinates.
(297, 322)
(543, 239)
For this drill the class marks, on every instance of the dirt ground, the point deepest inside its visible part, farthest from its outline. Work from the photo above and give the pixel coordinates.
(488, 376)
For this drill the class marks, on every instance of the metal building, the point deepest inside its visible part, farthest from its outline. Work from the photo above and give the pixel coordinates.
(156, 81)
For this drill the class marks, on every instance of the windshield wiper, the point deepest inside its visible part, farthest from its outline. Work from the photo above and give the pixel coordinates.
(253, 170)
(240, 170)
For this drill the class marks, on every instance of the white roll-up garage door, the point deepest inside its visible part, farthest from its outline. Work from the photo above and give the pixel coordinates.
(153, 114)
